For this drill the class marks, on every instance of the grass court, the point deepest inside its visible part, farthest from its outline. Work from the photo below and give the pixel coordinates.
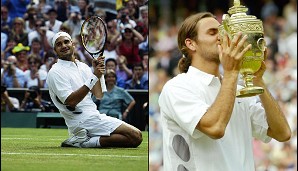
(36, 149)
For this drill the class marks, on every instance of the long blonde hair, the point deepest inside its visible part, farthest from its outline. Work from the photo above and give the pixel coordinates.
(189, 30)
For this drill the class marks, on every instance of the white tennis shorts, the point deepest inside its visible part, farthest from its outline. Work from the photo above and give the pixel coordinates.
(99, 125)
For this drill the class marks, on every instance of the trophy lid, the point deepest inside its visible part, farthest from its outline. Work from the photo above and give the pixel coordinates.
(237, 8)
(238, 14)
(240, 21)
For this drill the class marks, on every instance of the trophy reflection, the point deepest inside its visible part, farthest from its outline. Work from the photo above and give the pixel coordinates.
(252, 27)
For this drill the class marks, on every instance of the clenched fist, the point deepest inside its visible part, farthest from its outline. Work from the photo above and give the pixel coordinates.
(99, 66)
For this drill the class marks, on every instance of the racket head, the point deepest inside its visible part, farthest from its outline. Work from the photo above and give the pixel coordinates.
(94, 35)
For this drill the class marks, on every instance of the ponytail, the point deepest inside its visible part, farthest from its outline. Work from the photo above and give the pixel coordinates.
(184, 64)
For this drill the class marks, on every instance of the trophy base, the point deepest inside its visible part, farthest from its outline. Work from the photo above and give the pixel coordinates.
(249, 91)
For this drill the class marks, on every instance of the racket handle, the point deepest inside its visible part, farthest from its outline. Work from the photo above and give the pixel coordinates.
(103, 84)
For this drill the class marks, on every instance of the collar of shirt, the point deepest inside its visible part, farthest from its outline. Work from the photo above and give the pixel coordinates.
(204, 77)
(67, 63)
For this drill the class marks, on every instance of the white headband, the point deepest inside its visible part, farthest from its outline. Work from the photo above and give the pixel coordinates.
(59, 34)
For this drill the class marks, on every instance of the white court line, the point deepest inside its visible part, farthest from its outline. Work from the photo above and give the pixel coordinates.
(57, 139)
(63, 136)
(51, 139)
(89, 155)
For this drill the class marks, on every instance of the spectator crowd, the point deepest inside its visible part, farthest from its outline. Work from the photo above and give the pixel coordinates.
(27, 28)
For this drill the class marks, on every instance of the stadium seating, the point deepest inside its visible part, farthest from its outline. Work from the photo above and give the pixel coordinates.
(47, 120)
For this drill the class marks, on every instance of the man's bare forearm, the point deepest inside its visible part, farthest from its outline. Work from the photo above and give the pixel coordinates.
(215, 120)
(279, 128)
(97, 90)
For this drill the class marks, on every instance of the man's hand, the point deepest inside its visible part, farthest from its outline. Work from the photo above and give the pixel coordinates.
(231, 53)
(99, 66)
(136, 79)
(258, 76)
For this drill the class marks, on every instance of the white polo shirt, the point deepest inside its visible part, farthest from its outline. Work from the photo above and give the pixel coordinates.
(64, 78)
(183, 101)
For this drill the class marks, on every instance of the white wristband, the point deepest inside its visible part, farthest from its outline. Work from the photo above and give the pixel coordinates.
(91, 81)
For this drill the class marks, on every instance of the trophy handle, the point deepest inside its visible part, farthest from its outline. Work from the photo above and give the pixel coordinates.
(261, 44)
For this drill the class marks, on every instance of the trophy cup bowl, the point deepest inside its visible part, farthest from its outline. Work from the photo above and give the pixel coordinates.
(252, 59)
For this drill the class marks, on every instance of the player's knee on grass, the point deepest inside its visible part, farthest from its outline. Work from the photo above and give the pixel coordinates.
(136, 138)
(133, 134)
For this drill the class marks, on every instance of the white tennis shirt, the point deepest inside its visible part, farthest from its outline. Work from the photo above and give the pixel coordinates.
(64, 78)
(183, 101)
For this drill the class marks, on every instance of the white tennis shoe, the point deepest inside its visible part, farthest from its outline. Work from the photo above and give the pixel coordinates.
(77, 139)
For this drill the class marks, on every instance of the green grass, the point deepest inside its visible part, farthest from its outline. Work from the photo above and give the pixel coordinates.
(24, 149)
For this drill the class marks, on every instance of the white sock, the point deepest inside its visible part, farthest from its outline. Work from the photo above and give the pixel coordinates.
(91, 143)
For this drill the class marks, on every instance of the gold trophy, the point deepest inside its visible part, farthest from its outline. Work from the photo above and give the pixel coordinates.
(252, 27)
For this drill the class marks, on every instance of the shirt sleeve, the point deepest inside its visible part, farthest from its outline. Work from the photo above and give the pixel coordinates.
(258, 121)
(60, 85)
(183, 107)
(127, 97)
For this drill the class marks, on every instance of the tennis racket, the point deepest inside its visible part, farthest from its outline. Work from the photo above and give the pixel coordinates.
(94, 36)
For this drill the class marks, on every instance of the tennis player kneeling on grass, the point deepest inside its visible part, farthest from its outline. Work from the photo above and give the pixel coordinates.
(71, 84)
